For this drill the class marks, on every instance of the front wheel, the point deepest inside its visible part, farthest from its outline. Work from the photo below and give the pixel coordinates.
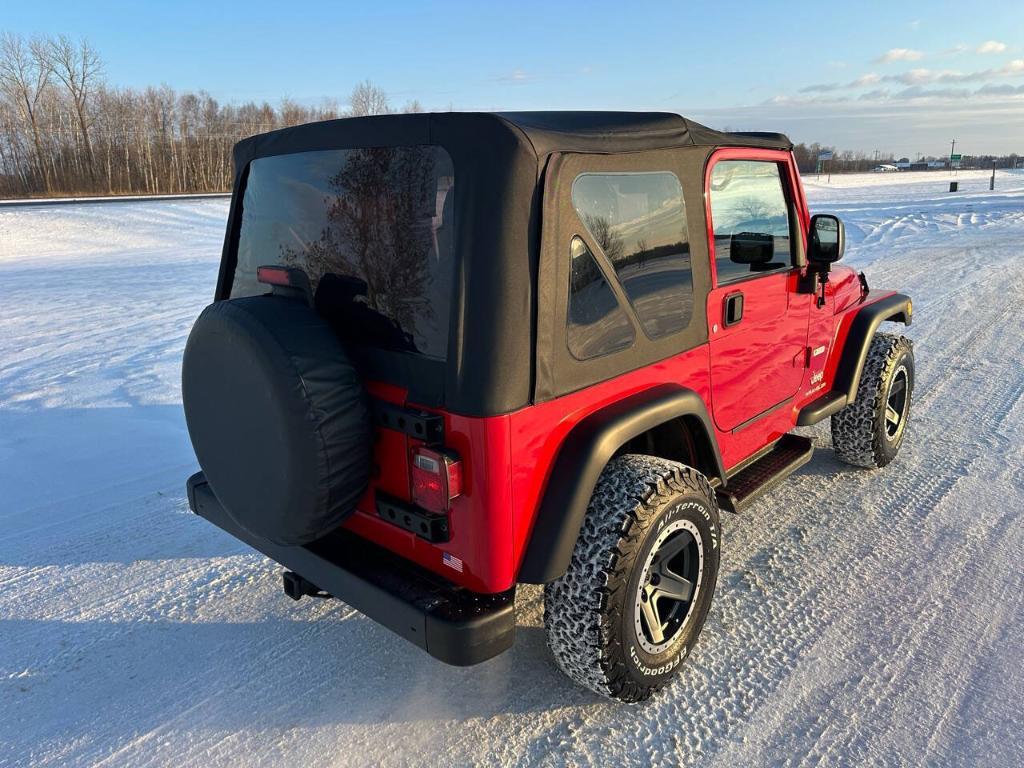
(870, 430)
(638, 589)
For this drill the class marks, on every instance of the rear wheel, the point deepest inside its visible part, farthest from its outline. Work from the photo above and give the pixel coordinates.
(638, 589)
(869, 431)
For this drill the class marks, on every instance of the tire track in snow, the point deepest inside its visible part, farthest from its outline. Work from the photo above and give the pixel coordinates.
(829, 638)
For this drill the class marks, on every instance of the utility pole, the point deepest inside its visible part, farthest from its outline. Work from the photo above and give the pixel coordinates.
(952, 148)
(992, 181)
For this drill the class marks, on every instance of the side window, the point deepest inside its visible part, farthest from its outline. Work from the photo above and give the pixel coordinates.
(639, 222)
(750, 217)
(597, 323)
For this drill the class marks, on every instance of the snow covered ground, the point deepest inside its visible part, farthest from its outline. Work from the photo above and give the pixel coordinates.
(861, 618)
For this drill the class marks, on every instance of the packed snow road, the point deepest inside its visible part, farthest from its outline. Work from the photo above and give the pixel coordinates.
(861, 618)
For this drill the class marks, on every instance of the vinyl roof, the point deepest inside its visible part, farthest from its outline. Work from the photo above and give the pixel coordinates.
(540, 133)
(627, 132)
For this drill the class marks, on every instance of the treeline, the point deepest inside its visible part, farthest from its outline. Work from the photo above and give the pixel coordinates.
(853, 162)
(65, 131)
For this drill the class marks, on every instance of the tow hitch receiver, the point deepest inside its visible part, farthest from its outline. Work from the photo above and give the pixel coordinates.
(297, 587)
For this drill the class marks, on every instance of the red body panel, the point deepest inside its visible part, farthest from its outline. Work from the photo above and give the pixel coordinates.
(759, 362)
(754, 377)
(481, 530)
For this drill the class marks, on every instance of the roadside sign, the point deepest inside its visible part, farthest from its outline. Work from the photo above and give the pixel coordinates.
(822, 156)
(956, 158)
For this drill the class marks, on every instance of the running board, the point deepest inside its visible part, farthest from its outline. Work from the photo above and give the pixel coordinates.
(789, 454)
(822, 408)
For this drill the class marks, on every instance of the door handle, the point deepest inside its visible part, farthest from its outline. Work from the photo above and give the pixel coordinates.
(733, 309)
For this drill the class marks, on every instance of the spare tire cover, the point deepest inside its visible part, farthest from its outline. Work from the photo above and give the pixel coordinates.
(278, 417)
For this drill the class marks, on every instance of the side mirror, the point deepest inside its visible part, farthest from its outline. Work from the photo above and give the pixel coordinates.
(827, 240)
(751, 248)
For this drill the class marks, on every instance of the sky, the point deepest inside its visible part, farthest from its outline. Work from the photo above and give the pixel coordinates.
(899, 76)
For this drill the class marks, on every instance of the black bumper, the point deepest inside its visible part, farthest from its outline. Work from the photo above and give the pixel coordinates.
(451, 624)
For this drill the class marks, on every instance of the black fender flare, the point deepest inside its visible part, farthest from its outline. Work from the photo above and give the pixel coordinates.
(897, 308)
(583, 456)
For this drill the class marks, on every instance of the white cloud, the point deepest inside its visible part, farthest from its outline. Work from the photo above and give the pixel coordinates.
(869, 79)
(1004, 89)
(991, 46)
(821, 88)
(923, 76)
(993, 123)
(914, 25)
(516, 76)
(919, 92)
(899, 54)
(915, 76)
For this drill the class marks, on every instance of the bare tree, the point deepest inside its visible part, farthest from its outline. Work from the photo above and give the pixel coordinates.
(24, 79)
(64, 131)
(79, 68)
(380, 197)
(606, 236)
(367, 99)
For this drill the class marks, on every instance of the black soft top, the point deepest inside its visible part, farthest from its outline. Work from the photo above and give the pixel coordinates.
(499, 160)
(543, 132)
(607, 132)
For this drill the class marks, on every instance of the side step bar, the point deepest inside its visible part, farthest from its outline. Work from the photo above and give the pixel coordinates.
(822, 408)
(452, 624)
(787, 456)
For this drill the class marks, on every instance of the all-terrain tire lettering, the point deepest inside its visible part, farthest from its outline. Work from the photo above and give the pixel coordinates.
(584, 609)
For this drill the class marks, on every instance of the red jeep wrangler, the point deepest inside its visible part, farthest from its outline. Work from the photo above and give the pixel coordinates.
(453, 353)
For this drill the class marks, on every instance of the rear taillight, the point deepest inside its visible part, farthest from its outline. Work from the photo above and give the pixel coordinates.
(436, 478)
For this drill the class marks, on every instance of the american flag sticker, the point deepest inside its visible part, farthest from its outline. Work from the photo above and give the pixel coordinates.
(451, 561)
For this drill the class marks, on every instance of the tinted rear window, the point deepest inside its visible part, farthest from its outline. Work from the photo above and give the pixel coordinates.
(372, 228)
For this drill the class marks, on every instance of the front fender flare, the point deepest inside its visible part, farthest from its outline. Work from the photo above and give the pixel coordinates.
(897, 308)
(581, 459)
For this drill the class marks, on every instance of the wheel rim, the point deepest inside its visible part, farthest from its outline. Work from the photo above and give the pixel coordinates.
(669, 586)
(896, 403)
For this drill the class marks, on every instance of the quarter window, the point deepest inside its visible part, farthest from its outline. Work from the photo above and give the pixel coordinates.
(597, 323)
(639, 222)
(751, 219)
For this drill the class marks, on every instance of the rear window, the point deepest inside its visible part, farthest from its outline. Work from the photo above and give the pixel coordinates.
(372, 228)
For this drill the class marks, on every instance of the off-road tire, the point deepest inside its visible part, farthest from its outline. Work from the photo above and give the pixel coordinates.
(859, 431)
(591, 613)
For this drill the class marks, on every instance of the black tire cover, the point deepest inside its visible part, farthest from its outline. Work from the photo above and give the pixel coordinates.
(278, 417)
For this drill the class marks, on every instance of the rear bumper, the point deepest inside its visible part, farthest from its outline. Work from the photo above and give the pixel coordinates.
(451, 624)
